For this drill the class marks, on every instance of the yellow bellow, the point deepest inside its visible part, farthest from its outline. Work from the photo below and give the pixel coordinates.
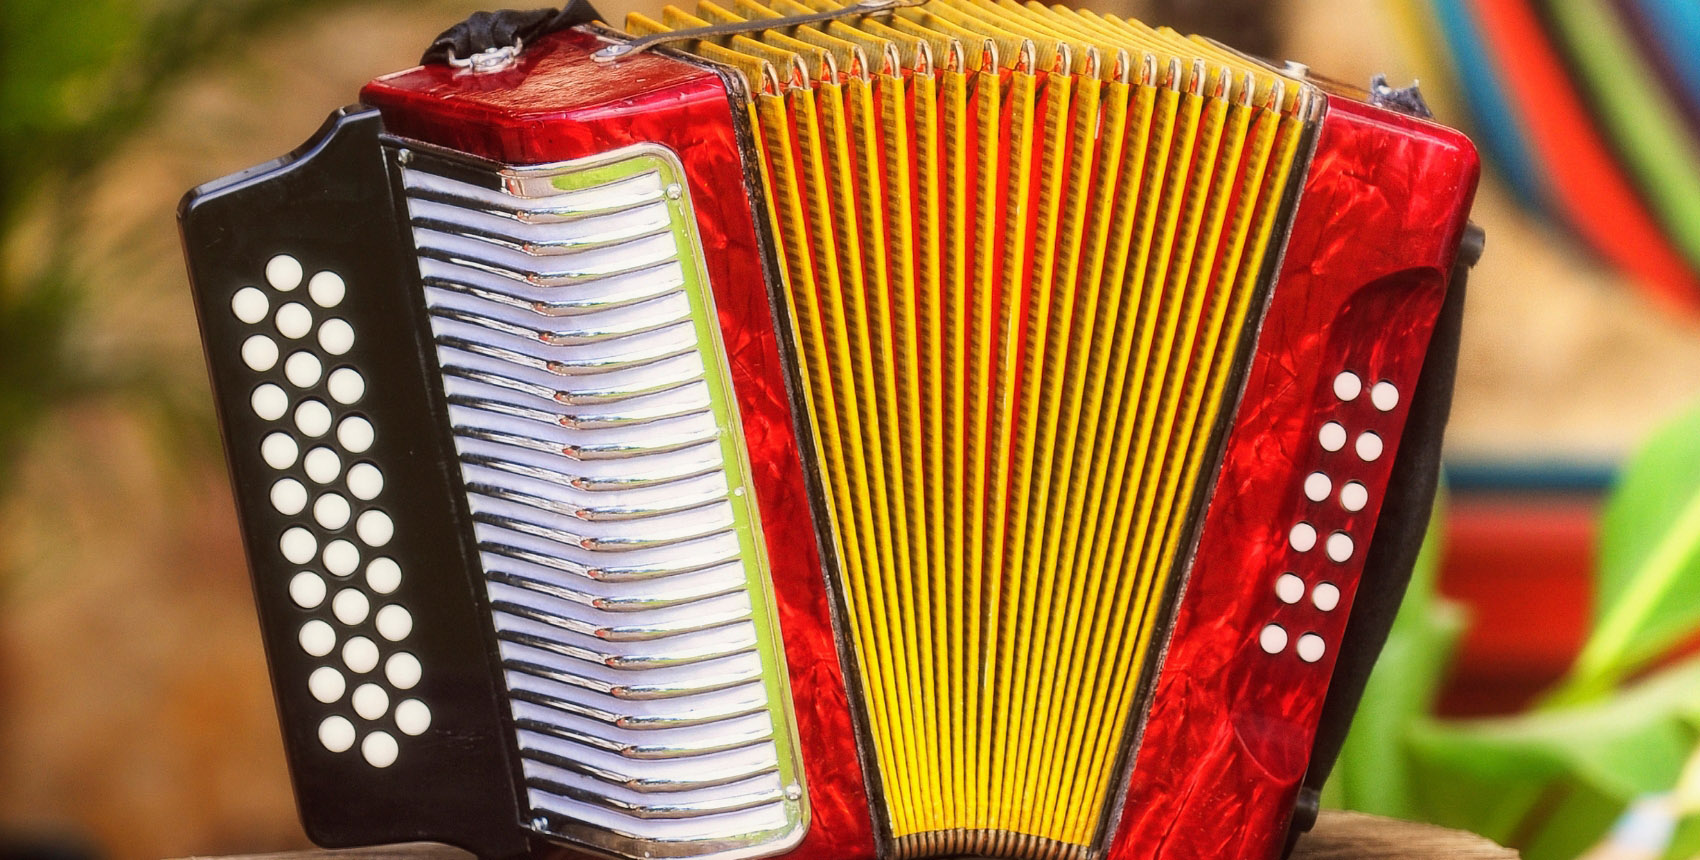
(1021, 245)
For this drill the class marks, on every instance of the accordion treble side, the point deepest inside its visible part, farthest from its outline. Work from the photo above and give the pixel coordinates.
(1362, 308)
(876, 437)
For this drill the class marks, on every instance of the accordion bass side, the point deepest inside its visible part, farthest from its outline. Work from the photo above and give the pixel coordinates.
(956, 430)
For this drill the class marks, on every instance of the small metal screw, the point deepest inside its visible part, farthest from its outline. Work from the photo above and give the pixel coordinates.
(674, 192)
(611, 52)
(405, 156)
(793, 792)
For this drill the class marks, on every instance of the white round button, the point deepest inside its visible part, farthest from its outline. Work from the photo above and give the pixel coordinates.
(1273, 639)
(326, 289)
(336, 336)
(250, 304)
(384, 575)
(322, 465)
(350, 607)
(298, 545)
(370, 701)
(313, 418)
(337, 734)
(1326, 596)
(346, 385)
(317, 638)
(365, 481)
(402, 670)
(279, 450)
(1289, 588)
(375, 528)
(1369, 447)
(1311, 647)
(412, 717)
(269, 401)
(331, 511)
(394, 623)
(1339, 546)
(341, 557)
(1384, 395)
(1354, 496)
(360, 655)
(1317, 486)
(307, 590)
(302, 370)
(326, 684)
(1302, 537)
(289, 497)
(259, 353)
(379, 749)
(294, 321)
(1332, 436)
(1347, 386)
(283, 272)
(355, 434)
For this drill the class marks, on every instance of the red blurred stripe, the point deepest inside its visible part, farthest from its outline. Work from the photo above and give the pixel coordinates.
(1587, 186)
(1521, 567)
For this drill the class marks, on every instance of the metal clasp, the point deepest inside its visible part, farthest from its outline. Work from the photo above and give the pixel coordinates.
(492, 59)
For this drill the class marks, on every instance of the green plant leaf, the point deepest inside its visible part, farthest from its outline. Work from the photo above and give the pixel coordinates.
(1627, 745)
(1686, 844)
(1648, 585)
(1551, 782)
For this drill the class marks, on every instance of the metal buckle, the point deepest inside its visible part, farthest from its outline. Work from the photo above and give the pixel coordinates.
(492, 59)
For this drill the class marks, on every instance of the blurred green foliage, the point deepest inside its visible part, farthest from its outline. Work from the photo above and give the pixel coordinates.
(77, 79)
(1551, 781)
(1402, 689)
(1648, 591)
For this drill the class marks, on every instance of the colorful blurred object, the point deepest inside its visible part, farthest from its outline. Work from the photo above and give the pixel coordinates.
(1615, 730)
(1590, 110)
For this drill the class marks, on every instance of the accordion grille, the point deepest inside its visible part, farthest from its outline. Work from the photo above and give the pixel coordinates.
(1021, 248)
(604, 472)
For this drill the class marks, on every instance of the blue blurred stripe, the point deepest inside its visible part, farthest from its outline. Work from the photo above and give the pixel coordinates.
(1499, 127)
(1675, 24)
(1536, 475)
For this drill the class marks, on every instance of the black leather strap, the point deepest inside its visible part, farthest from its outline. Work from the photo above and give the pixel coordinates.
(505, 28)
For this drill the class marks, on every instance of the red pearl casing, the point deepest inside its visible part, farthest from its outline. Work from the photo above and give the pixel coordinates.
(556, 104)
(1230, 727)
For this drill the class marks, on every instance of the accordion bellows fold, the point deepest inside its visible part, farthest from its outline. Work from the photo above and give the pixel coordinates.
(1021, 246)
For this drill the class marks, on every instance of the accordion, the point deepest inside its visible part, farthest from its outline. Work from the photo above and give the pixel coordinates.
(794, 429)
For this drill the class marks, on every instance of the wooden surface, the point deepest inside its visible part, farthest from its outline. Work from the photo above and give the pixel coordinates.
(1337, 836)
(1353, 836)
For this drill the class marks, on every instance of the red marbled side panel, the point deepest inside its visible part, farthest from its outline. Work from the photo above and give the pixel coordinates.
(556, 104)
(1231, 727)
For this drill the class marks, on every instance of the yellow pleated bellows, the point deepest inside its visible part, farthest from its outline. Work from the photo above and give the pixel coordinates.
(1021, 244)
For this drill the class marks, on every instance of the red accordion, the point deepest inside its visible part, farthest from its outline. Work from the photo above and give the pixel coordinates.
(885, 431)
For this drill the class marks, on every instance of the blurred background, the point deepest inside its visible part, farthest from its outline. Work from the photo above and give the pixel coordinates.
(1538, 685)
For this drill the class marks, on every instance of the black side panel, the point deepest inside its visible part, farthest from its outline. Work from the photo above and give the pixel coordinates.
(376, 756)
